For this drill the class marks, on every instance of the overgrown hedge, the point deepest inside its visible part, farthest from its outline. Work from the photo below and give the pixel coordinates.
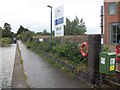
(6, 40)
(68, 50)
(64, 50)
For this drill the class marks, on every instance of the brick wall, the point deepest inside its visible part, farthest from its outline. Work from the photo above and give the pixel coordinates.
(76, 38)
(119, 11)
(110, 18)
(112, 47)
(72, 38)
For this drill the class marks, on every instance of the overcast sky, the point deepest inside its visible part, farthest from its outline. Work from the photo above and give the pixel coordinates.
(35, 15)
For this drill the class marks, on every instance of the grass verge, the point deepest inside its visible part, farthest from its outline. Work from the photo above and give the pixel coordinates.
(21, 62)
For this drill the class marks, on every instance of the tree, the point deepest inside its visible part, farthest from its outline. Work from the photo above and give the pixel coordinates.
(75, 27)
(6, 32)
(53, 32)
(1, 30)
(21, 30)
(45, 32)
(82, 26)
(28, 35)
(68, 27)
(7, 26)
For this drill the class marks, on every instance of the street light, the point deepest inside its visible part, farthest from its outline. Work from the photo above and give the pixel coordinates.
(50, 27)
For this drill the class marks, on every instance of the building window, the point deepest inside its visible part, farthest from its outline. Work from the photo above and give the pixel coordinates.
(112, 8)
(115, 32)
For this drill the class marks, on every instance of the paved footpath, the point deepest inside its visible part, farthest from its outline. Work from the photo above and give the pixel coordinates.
(42, 74)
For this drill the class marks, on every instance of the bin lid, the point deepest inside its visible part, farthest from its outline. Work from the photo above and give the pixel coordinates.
(111, 53)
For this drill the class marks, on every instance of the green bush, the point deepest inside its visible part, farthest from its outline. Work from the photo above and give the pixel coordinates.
(28, 44)
(18, 36)
(31, 44)
(6, 40)
(68, 50)
(26, 36)
(44, 46)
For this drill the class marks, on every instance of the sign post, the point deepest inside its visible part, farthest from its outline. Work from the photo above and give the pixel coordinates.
(59, 21)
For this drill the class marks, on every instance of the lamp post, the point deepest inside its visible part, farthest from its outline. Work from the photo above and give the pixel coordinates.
(101, 20)
(50, 27)
(102, 36)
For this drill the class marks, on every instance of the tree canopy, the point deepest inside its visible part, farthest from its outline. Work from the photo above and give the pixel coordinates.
(21, 30)
(7, 26)
(6, 31)
(43, 33)
(24, 34)
(75, 27)
(1, 32)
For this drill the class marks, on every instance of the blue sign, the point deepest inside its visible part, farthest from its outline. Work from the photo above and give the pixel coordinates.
(59, 21)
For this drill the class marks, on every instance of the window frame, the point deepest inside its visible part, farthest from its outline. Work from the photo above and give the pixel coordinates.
(109, 8)
(116, 32)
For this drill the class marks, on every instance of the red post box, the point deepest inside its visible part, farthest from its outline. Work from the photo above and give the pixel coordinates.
(118, 53)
